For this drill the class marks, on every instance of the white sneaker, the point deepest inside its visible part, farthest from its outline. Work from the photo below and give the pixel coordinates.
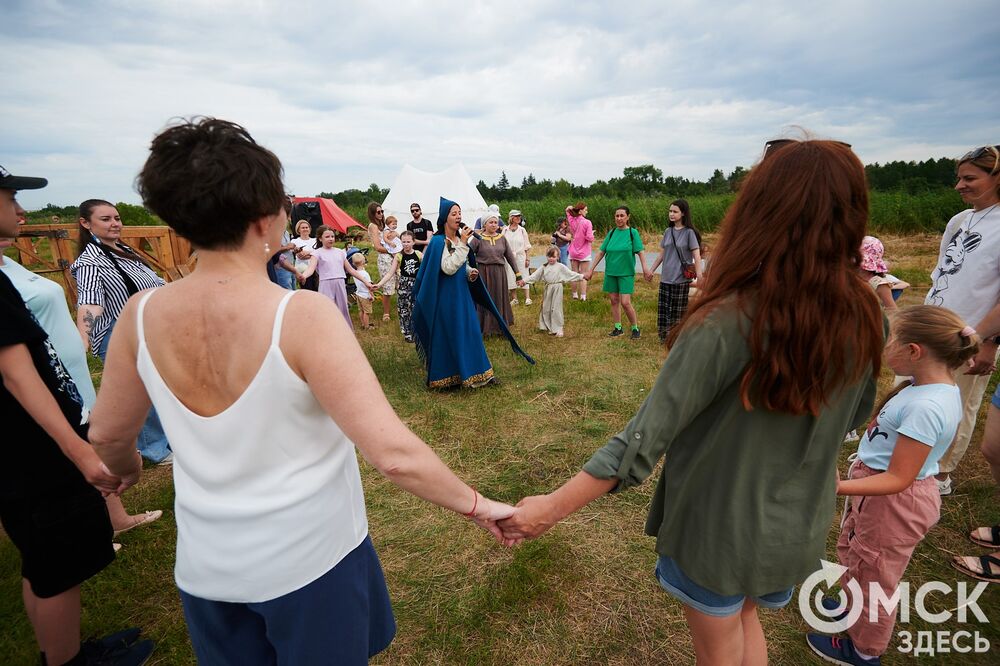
(852, 436)
(576, 296)
(944, 487)
(584, 297)
(527, 301)
(513, 301)
(169, 460)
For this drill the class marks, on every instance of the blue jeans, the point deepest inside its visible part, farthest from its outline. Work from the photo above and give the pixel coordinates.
(285, 277)
(564, 254)
(690, 593)
(152, 441)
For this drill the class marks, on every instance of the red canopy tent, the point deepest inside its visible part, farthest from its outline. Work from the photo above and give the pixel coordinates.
(333, 216)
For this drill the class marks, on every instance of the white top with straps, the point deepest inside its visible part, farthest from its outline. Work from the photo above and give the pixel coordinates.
(268, 492)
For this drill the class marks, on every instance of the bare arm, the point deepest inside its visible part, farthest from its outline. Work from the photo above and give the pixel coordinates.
(86, 317)
(311, 268)
(122, 403)
(346, 387)
(535, 515)
(590, 272)
(375, 238)
(907, 459)
(23, 382)
(884, 293)
(390, 273)
(696, 257)
(357, 274)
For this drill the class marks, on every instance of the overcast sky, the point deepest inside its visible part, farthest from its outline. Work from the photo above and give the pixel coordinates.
(346, 93)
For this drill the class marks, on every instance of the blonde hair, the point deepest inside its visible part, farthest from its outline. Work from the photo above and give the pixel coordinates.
(298, 225)
(391, 218)
(938, 329)
(357, 259)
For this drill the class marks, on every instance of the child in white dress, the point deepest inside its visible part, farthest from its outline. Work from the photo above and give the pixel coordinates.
(552, 274)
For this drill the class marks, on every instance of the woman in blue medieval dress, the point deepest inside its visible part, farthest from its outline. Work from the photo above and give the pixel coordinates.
(445, 325)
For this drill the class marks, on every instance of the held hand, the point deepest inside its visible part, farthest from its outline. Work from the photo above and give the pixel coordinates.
(488, 512)
(534, 516)
(96, 473)
(648, 275)
(473, 274)
(588, 275)
(130, 479)
(982, 362)
(520, 283)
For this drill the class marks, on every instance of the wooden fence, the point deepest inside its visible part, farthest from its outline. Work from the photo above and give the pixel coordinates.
(51, 248)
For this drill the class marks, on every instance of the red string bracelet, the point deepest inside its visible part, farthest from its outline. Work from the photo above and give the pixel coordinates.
(474, 504)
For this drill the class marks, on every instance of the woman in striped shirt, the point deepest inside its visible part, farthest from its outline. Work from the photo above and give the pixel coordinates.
(107, 273)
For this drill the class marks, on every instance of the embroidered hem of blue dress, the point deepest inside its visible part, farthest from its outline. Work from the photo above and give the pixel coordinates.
(475, 381)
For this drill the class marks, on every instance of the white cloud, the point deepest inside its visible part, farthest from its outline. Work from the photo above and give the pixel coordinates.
(346, 93)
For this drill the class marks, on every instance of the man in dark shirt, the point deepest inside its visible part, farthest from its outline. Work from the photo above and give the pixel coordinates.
(421, 228)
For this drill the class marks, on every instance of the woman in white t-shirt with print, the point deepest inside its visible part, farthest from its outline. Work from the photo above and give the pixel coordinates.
(966, 280)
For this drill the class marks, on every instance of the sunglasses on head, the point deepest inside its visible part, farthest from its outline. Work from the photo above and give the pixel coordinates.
(774, 144)
(979, 152)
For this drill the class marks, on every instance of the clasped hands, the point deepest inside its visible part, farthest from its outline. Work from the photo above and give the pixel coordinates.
(511, 525)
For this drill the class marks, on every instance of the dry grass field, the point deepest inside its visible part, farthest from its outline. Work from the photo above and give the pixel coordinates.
(584, 593)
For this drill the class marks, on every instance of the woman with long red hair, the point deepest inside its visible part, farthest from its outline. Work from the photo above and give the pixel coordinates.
(751, 406)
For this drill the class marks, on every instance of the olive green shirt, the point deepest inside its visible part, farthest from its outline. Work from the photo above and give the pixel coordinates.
(746, 498)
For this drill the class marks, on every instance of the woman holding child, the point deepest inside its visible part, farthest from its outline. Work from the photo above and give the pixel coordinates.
(751, 406)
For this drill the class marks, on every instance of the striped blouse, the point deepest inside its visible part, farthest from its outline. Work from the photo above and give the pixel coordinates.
(98, 282)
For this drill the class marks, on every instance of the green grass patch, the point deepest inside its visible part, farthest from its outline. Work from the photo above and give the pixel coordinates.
(584, 593)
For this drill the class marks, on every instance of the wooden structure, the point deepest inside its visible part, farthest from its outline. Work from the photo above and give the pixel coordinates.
(51, 248)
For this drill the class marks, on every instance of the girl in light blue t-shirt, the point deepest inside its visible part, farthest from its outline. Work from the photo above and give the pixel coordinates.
(895, 500)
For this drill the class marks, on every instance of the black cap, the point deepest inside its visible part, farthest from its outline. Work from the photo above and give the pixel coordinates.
(8, 181)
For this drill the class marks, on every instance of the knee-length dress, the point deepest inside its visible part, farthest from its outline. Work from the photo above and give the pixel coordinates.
(552, 276)
(493, 256)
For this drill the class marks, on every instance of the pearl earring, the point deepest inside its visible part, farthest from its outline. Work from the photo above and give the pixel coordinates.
(267, 248)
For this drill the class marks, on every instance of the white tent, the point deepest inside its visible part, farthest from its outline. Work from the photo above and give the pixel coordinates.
(426, 188)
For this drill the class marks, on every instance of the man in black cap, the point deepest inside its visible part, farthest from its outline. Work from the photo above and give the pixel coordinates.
(51, 482)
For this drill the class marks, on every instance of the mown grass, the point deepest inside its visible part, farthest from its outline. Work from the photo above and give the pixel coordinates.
(582, 594)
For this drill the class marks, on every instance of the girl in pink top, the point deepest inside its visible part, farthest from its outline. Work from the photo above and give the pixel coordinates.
(332, 265)
(580, 249)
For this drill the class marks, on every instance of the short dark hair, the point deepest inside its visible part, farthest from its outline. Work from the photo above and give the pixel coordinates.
(209, 181)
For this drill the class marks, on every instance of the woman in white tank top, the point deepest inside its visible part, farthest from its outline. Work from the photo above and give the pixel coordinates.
(269, 505)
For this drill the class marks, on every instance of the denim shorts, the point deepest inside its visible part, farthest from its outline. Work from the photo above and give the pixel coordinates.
(996, 397)
(690, 593)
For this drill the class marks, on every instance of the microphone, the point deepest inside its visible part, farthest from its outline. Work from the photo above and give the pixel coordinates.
(475, 234)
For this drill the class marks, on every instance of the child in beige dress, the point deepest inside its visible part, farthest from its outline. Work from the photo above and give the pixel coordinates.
(552, 274)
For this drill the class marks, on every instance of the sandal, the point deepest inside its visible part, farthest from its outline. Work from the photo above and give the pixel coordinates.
(992, 542)
(986, 570)
(385, 317)
(144, 518)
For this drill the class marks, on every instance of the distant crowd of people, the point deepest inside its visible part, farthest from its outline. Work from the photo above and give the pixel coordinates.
(750, 408)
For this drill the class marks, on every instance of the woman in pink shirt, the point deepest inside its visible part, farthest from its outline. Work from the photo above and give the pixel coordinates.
(580, 249)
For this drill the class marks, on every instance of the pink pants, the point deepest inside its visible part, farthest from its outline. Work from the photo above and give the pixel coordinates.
(876, 541)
